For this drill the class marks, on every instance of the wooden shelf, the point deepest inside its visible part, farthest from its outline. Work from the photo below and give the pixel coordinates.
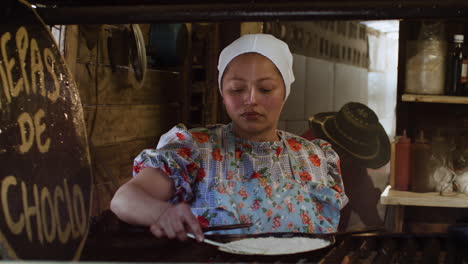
(435, 99)
(433, 199)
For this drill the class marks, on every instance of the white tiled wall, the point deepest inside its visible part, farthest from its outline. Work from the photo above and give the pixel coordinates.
(320, 87)
(382, 98)
(294, 106)
(297, 127)
(323, 86)
(282, 125)
(382, 80)
(350, 85)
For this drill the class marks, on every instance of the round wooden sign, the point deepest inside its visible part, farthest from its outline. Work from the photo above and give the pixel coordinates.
(45, 172)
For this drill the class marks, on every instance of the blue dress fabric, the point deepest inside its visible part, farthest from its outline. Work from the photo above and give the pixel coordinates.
(289, 185)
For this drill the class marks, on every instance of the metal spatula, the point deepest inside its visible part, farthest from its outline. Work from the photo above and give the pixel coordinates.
(208, 241)
(224, 247)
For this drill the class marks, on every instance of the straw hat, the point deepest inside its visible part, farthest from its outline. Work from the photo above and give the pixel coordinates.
(356, 130)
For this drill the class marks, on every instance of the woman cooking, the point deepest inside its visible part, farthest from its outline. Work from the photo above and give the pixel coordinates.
(244, 172)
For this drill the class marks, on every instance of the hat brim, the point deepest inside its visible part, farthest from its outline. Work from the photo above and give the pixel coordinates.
(324, 127)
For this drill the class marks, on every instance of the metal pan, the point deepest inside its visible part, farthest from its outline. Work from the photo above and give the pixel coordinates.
(310, 256)
(313, 255)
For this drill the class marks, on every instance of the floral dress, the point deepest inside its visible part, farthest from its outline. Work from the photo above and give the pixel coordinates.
(290, 185)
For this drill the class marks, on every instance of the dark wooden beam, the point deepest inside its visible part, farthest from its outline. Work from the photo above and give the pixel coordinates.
(102, 12)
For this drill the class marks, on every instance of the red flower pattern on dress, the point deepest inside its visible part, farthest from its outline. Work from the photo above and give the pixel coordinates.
(137, 168)
(241, 205)
(268, 190)
(300, 198)
(243, 193)
(185, 152)
(244, 219)
(290, 225)
(276, 222)
(200, 137)
(221, 189)
(217, 154)
(184, 176)
(305, 176)
(238, 153)
(200, 175)
(204, 223)
(337, 188)
(278, 151)
(319, 207)
(269, 213)
(290, 207)
(246, 146)
(180, 136)
(167, 170)
(305, 218)
(191, 167)
(256, 205)
(255, 175)
(296, 146)
(315, 160)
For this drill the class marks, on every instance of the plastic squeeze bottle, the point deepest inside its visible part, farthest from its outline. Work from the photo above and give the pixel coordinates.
(421, 180)
(402, 163)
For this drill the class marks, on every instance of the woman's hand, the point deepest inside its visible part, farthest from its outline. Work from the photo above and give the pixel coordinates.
(175, 222)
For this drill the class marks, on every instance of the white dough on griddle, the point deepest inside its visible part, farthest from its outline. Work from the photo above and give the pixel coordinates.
(274, 245)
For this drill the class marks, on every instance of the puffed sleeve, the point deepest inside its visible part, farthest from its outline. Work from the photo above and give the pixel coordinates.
(179, 157)
(333, 179)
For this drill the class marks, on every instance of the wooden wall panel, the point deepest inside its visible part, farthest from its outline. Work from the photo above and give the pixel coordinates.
(120, 87)
(112, 167)
(71, 47)
(114, 159)
(122, 116)
(122, 123)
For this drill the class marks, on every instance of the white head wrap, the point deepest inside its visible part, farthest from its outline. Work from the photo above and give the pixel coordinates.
(267, 45)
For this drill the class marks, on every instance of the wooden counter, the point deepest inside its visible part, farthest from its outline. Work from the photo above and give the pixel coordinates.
(434, 199)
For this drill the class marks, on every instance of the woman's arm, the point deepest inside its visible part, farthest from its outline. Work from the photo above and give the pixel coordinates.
(142, 201)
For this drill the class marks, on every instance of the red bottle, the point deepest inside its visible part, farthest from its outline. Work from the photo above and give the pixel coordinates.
(402, 163)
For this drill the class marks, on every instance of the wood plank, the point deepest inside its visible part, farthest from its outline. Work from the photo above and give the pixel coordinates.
(71, 47)
(117, 159)
(434, 99)
(399, 218)
(420, 227)
(112, 166)
(392, 163)
(432, 199)
(122, 123)
(117, 84)
(120, 87)
(93, 41)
